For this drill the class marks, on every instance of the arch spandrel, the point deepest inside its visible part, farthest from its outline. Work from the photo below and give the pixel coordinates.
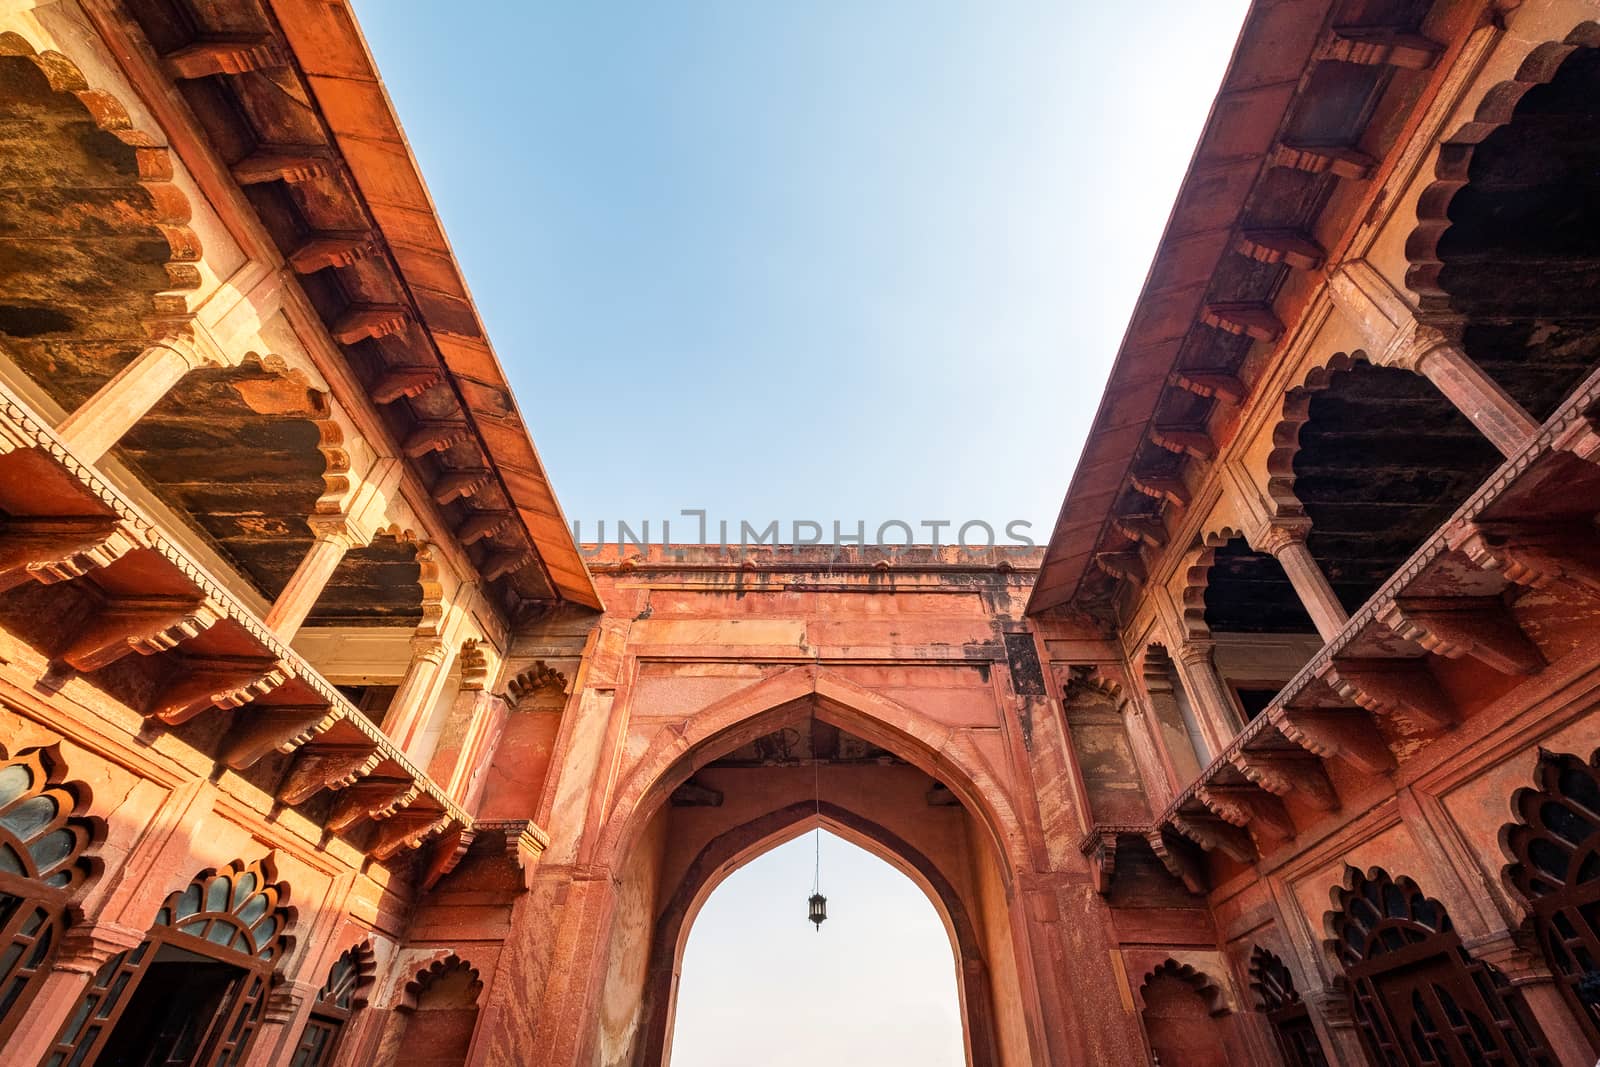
(676, 751)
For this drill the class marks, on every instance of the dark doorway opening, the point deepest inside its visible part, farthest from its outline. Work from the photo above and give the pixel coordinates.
(180, 1001)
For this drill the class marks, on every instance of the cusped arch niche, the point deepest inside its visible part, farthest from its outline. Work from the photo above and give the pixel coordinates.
(1516, 196)
(1554, 848)
(44, 840)
(1416, 993)
(1374, 459)
(98, 247)
(251, 453)
(1182, 1010)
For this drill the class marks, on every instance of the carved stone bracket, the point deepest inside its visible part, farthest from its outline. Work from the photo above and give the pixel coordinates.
(1453, 627)
(371, 798)
(1403, 687)
(1180, 859)
(273, 728)
(322, 767)
(1285, 771)
(1535, 555)
(59, 550)
(145, 625)
(1349, 735)
(217, 683)
(1100, 848)
(1212, 833)
(1249, 808)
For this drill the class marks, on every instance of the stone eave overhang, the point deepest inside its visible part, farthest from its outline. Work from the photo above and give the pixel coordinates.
(388, 287)
(1259, 203)
(1510, 536)
(238, 693)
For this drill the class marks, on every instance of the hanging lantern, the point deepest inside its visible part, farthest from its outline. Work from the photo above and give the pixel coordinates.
(818, 902)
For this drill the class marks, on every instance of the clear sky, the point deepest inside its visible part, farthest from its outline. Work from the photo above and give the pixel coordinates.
(809, 259)
(814, 259)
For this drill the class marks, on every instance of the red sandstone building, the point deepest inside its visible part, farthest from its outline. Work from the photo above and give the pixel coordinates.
(324, 744)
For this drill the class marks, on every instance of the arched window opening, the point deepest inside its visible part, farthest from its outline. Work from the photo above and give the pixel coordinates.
(439, 1014)
(1262, 632)
(877, 983)
(1529, 210)
(1384, 459)
(341, 996)
(41, 860)
(1181, 1018)
(193, 991)
(1287, 1014)
(1417, 994)
(1554, 846)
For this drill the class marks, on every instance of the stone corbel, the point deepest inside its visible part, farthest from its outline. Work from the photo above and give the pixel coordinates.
(59, 550)
(332, 766)
(146, 625)
(1250, 808)
(1403, 687)
(273, 728)
(1213, 833)
(1535, 555)
(1284, 771)
(375, 799)
(1452, 627)
(1179, 857)
(218, 683)
(1347, 734)
(1100, 848)
(88, 946)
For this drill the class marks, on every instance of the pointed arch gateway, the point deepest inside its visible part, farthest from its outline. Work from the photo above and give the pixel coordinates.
(742, 845)
(780, 724)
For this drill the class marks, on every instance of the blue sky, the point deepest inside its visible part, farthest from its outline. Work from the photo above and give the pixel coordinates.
(806, 260)
(820, 260)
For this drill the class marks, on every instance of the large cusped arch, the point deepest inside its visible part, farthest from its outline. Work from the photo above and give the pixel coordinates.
(739, 846)
(793, 696)
(98, 245)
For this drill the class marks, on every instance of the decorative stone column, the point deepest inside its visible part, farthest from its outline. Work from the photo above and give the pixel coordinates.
(431, 657)
(100, 421)
(1336, 1026)
(1478, 396)
(1219, 720)
(1286, 542)
(335, 536)
(1394, 338)
(282, 1018)
(1528, 973)
(85, 948)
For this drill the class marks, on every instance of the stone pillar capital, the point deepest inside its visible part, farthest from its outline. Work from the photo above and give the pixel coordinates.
(86, 947)
(1196, 650)
(285, 1000)
(1508, 951)
(339, 530)
(429, 647)
(1280, 534)
(1332, 1003)
(1413, 347)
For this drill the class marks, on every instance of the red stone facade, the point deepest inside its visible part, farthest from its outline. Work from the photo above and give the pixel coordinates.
(322, 743)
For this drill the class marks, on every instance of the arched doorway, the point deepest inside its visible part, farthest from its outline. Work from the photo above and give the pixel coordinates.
(193, 991)
(768, 775)
(876, 984)
(1417, 994)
